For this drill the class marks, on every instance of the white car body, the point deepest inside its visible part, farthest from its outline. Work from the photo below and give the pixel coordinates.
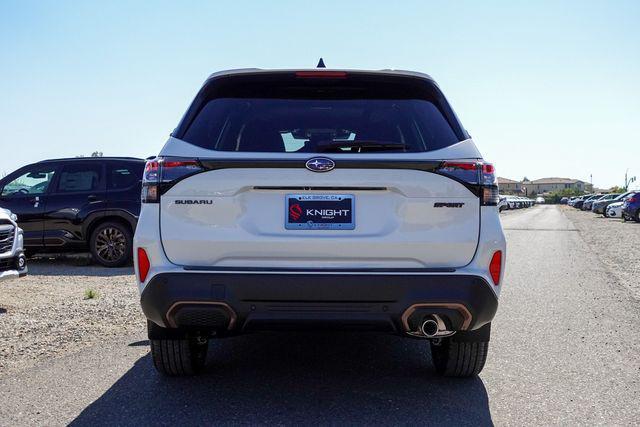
(226, 226)
(12, 259)
(503, 203)
(614, 210)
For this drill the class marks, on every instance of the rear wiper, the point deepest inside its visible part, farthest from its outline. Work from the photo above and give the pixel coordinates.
(361, 145)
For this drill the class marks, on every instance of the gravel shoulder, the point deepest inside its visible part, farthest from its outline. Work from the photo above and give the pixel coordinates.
(614, 242)
(46, 314)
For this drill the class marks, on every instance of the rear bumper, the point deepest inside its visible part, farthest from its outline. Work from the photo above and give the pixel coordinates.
(236, 302)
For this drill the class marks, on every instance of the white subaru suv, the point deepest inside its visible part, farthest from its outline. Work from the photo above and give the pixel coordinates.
(319, 199)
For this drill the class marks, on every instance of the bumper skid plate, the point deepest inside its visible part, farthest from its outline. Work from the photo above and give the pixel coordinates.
(234, 302)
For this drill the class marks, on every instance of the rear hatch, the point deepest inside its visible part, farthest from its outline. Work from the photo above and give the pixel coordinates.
(305, 170)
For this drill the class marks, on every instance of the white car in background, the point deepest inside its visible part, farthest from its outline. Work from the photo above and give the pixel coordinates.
(540, 200)
(13, 263)
(502, 203)
(514, 202)
(614, 210)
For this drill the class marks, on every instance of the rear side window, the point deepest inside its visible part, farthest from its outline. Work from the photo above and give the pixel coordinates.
(351, 116)
(122, 176)
(80, 178)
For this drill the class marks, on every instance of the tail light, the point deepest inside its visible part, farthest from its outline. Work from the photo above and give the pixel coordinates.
(143, 264)
(160, 174)
(631, 199)
(150, 182)
(495, 267)
(479, 177)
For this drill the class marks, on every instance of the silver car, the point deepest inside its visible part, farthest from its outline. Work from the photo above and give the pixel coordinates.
(13, 263)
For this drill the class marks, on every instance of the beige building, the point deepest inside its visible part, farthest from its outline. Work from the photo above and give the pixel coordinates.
(541, 186)
(509, 186)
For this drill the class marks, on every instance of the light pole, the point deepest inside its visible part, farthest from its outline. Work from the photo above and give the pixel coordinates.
(628, 181)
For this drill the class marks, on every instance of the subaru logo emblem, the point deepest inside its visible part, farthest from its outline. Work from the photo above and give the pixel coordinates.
(320, 164)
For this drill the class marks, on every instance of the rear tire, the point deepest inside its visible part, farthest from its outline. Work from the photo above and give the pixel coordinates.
(179, 357)
(459, 358)
(111, 244)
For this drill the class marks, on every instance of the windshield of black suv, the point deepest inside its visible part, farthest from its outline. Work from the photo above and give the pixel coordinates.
(352, 116)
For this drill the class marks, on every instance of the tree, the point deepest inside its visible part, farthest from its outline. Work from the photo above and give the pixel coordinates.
(616, 189)
(94, 154)
(555, 196)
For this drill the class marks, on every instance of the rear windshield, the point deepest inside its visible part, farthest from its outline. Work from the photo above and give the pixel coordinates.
(304, 117)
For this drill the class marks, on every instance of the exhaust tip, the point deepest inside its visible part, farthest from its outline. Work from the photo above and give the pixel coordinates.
(429, 328)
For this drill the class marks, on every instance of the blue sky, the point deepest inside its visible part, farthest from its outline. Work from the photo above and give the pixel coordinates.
(546, 88)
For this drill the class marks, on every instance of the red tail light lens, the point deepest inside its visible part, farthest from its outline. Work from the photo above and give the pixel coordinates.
(143, 264)
(479, 176)
(495, 267)
(631, 199)
(161, 173)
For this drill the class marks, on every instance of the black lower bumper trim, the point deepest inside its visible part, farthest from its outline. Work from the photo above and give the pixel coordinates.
(252, 301)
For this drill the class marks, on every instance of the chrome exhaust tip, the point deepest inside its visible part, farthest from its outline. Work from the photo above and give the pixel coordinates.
(429, 327)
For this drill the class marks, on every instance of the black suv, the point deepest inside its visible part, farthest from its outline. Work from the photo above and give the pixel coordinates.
(71, 205)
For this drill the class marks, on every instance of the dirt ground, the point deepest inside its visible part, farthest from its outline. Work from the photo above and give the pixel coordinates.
(47, 313)
(616, 242)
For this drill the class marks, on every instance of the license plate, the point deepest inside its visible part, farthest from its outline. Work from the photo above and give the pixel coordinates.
(319, 212)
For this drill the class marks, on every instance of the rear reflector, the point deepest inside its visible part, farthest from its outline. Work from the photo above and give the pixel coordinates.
(143, 264)
(495, 266)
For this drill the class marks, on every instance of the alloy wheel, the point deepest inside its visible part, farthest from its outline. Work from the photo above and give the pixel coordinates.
(110, 244)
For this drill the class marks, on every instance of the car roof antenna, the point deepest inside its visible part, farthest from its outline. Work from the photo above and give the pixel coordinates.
(321, 64)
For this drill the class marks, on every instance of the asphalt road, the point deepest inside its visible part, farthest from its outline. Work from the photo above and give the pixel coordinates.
(565, 350)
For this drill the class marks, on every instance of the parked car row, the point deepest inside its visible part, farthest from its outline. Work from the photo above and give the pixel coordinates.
(516, 202)
(612, 205)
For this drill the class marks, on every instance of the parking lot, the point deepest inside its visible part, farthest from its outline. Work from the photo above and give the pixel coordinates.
(565, 349)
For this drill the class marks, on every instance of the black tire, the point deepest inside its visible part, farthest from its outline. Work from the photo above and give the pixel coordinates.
(638, 215)
(111, 244)
(458, 359)
(179, 357)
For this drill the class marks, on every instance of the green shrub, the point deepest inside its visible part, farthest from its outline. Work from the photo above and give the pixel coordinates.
(90, 294)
